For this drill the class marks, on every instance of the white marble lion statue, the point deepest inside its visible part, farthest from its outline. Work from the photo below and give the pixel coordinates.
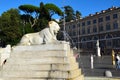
(47, 35)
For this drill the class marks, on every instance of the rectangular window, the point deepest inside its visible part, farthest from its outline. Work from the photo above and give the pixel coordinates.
(74, 33)
(83, 31)
(88, 30)
(107, 18)
(94, 29)
(100, 20)
(115, 16)
(108, 27)
(108, 43)
(88, 22)
(83, 23)
(101, 28)
(115, 25)
(94, 21)
(73, 26)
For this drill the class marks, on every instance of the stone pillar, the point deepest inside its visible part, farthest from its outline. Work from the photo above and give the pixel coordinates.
(98, 49)
(92, 61)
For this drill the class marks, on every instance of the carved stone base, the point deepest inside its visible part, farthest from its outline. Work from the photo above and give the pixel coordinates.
(42, 62)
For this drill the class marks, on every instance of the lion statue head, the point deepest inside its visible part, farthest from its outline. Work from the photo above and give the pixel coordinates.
(54, 27)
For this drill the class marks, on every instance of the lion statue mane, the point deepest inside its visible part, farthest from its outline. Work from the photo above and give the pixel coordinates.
(47, 35)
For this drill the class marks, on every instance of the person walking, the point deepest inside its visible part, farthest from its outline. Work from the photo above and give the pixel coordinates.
(117, 59)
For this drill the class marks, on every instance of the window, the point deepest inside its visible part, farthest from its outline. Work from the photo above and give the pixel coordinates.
(107, 18)
(73, 26)
(78, 31)
(83, 23)
(94, 21)
(95, 38)
(83, 31)
(100, 20)
(83, 39)
(83, 45)
(108, 26)
(88, 30)
(102, 36)
(101, 28)
(89, 38)
(115, 25)
(88, 22)
(89, 45)
(94, 29)
(108, 43)
(67, 27)
(115, 16)
(108, 36)
(74, 33)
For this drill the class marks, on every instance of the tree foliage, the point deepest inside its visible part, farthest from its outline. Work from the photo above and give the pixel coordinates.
(30, 10)
(43, 12)
(10, 27)
(78, 15)
(53, 9)
(69, 13)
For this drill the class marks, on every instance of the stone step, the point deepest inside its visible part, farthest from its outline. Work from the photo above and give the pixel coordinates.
(80, 77)
(45, 47)
(101, 78)
(37, 54)
(42, 60)
(30, 79)
(62, 67)
(42, 74)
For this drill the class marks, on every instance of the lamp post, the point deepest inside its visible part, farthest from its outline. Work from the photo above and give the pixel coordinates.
(63, 20)
(78, 38)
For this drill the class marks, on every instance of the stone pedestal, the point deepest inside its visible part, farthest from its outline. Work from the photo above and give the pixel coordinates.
(42, 62)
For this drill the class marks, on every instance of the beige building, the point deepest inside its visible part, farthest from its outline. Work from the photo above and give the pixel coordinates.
(103, 26)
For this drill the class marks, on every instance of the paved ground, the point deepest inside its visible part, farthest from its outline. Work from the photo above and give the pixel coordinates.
(101, 64)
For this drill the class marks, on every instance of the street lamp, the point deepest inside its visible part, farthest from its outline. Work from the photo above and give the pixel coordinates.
(78, 36)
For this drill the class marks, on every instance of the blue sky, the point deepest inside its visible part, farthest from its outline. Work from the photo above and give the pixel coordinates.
(86, 7)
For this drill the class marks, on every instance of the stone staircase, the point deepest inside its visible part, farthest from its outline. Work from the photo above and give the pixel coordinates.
(42, 62)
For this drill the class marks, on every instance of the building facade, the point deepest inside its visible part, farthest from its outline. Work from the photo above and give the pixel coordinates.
(103, 26)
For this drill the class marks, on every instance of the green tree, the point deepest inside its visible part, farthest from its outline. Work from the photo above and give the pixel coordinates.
(43, 13)
(78, 15)
(53, 9)
(10, 27)
(30, 11)
(69, 13)
(26, 28)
